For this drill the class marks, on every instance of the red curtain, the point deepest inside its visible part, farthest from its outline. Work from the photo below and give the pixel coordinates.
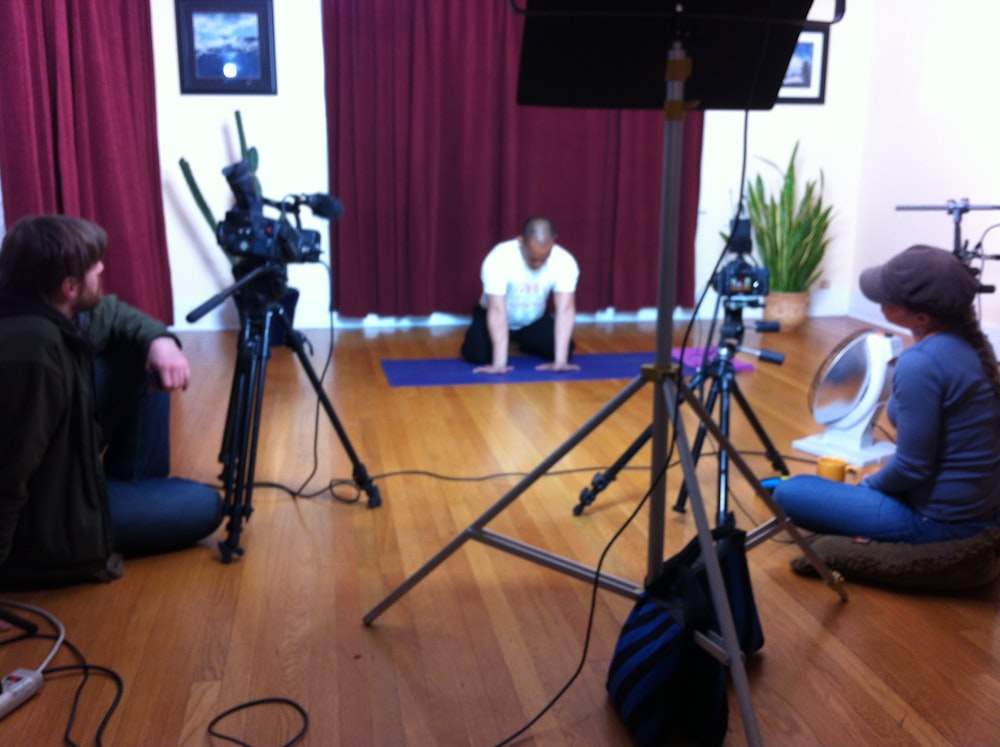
(435, 163)
(78, 132)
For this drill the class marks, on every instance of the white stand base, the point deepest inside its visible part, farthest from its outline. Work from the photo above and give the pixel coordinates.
(857, 455)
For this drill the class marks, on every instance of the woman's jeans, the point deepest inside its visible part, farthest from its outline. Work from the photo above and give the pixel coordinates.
(820, 505)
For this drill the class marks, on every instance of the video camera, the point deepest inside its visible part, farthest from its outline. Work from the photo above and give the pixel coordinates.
(247, 232)
(740, 278)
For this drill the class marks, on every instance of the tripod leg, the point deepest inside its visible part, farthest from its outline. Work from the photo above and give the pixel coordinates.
(780, 520)
(730, 387)
(777, 461)
(699, 440)
(729, 650)
(603, 479)
(239, 444)
(720, 392)
(725, 385)
(360, 473)
(722, 506)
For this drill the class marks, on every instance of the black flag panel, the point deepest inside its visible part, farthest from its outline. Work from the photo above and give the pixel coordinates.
(611, 54)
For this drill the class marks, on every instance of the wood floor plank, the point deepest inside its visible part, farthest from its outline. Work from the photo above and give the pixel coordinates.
(480, 644)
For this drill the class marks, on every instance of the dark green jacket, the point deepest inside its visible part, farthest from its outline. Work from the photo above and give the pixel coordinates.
(55, 525)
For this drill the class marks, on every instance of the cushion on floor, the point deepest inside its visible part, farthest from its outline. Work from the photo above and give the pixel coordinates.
(937, 566)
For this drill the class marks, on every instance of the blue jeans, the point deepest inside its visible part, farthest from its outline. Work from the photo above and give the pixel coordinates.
(820, 505)
(161, 514)
(150, 512)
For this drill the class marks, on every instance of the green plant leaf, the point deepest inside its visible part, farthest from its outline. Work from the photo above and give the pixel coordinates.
(240, 133)
(199, 198)
(790, 227)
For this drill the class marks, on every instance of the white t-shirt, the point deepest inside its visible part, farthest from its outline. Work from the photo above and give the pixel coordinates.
(505, 273)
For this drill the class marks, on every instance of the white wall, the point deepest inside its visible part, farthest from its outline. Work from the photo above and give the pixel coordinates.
(830, 137)
(908, 120)
(931, 134)
(289, 131)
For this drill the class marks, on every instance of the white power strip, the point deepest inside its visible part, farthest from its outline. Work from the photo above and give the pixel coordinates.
(18, 686)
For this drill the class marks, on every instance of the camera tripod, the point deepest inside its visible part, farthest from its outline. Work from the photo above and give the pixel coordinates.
(720, 374)
(257, 291)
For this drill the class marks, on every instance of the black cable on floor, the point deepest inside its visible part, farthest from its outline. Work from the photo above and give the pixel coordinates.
(252, 704)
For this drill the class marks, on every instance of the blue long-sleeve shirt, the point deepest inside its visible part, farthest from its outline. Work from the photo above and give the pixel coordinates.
(947, 418)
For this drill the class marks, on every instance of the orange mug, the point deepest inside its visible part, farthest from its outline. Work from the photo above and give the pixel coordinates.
(835, 469)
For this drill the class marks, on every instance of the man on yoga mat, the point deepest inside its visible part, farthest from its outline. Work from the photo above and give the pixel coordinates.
(518, 275)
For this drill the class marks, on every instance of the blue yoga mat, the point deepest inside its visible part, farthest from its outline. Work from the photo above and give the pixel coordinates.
(593, 367)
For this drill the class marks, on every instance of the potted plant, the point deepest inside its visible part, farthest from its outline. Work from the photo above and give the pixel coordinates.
(790, 231)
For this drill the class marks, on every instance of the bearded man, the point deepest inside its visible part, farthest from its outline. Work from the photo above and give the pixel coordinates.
(84, 416)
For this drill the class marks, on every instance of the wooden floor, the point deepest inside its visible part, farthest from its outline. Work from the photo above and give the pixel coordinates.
(484, 641)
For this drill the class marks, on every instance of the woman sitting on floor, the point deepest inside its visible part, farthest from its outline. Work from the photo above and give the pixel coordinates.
(943, 482)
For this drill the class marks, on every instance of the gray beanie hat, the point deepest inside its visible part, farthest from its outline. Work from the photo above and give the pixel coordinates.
(923, 279)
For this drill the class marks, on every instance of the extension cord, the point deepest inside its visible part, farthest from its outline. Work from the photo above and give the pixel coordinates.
(17, 687)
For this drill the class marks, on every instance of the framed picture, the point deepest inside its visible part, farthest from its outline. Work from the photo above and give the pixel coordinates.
(805, 79)
(226, 46)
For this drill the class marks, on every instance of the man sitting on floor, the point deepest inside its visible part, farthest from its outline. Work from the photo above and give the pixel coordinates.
(85, 443)
(518, 275)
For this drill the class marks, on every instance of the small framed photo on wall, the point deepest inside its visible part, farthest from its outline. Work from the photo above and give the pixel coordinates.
(805, 79)
(226, 46)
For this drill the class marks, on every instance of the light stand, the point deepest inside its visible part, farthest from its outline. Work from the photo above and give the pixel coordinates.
(960, 248)
(955, 208)
(258, 290)
(670, 392)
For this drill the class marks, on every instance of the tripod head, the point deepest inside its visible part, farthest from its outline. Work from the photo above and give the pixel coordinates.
(268, 283)
(260, 284)
(740, 284)
(742, 280)
(731, 333)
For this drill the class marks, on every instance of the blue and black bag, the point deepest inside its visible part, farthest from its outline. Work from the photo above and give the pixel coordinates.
(730, 548)
(661, 682)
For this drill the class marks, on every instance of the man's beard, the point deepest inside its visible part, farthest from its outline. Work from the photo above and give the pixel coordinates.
(88, 300)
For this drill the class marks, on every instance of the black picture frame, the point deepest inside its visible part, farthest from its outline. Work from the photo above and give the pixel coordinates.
(226, 46)
(805, 79)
